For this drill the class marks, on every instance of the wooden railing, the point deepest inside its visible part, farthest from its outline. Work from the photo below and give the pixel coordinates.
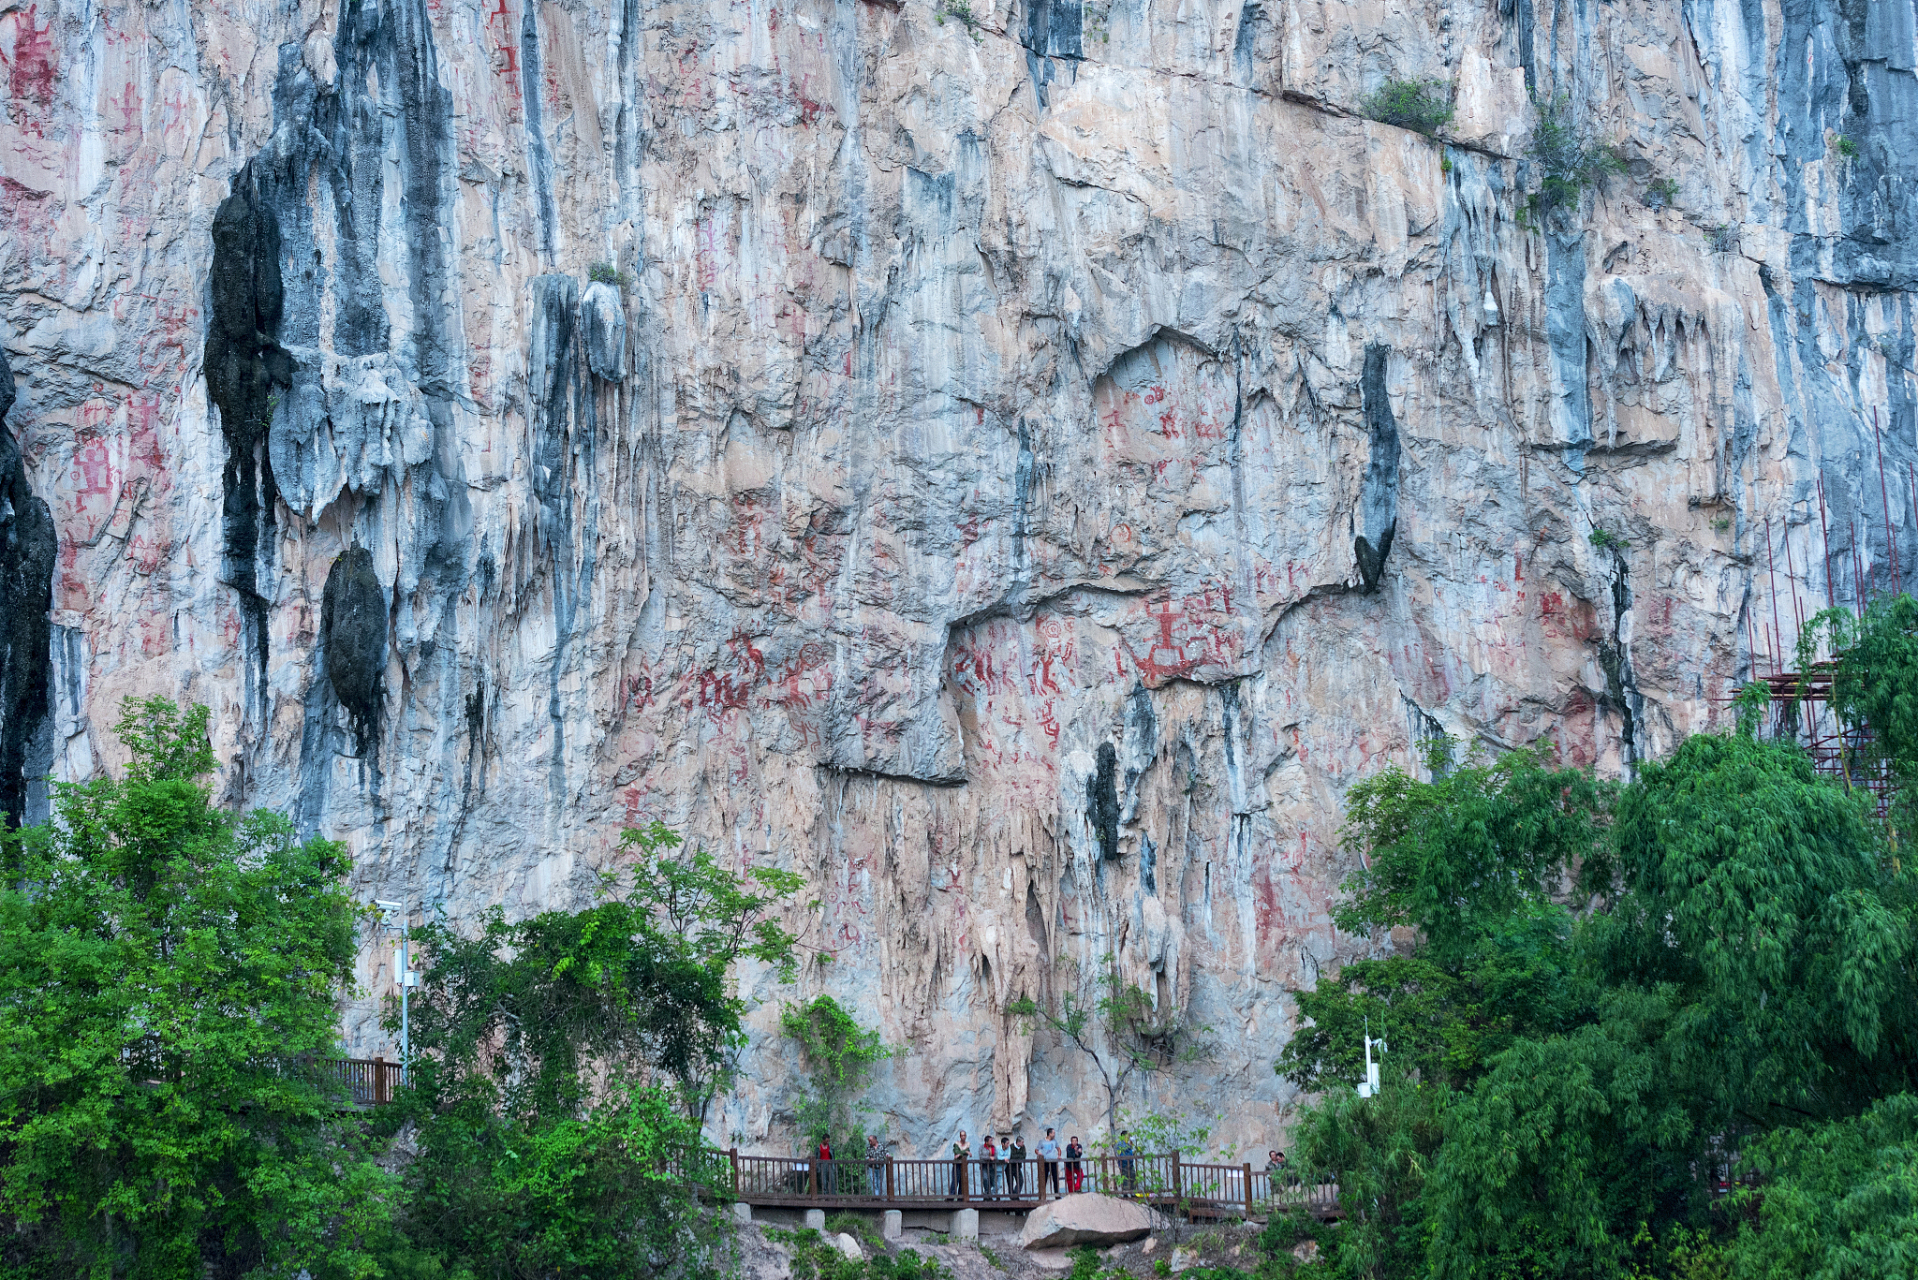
(1212, 1190)
(371, 1081)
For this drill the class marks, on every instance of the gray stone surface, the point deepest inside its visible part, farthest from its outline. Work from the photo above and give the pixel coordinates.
(742, 1212)
(849, 1247)
(1049, 462)
(816, 1219)
(1087, 1219)
(965, 1224)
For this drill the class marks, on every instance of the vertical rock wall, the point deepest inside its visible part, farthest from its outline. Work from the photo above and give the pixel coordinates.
(1016, 464)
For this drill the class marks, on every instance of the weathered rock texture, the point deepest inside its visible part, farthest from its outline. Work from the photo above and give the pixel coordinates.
(1046, 451)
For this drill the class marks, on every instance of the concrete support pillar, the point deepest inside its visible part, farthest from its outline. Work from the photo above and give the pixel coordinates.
(816, 1219)
(894, 1227)
(965, 1224)
(742, 1212)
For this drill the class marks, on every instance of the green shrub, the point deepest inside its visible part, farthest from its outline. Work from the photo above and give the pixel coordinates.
(1847, 146)
(1661, 193)
(1568, 159)
(1423, 106)
(1608, 541)
(607, 273)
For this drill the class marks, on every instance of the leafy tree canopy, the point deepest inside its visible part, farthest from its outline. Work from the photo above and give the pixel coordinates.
(1564, 1087)
(562, 1064)
(169, 983)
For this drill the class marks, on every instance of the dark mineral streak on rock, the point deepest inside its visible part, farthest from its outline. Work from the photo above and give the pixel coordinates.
(1615, 659)
(27, 546)
(247, 371)
(1379, 490)
(541, 155)
(1054, 29)
(353, 634)
(1102, 800)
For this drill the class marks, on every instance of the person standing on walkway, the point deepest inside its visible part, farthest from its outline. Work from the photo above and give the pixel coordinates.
(1048, 1152)
(823, 1183)
(961, 1152)
(1016, 1168)
(875, 1166)
(989, 1169)
(1128, 1157)
(1075, 1172)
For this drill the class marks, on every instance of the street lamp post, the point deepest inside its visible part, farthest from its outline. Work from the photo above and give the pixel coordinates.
(406, 979)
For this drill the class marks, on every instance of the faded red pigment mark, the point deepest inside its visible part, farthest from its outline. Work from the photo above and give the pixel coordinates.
(30, 67)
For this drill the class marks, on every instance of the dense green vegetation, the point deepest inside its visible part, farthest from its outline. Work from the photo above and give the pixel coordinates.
(840, 1056)
(1619, 997)
(169, 979)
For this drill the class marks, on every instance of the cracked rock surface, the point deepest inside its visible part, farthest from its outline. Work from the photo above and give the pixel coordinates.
(1033, 460)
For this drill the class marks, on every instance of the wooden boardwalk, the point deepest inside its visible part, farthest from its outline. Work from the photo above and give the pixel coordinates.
(1195, 1189)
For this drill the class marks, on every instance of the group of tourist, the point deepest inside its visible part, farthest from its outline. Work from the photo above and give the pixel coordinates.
(1003, 1165)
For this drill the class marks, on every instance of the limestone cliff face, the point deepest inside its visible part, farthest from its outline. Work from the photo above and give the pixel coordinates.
(1030, 459)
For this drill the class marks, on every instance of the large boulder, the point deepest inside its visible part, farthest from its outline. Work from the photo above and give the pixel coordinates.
(1087, 1219)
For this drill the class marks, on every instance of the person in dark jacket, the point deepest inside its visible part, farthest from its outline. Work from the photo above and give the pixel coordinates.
(1075, 1171)
(961, 1152)
(1016, 1168)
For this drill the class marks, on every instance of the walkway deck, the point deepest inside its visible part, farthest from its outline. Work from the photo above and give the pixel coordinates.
(1198, 1190)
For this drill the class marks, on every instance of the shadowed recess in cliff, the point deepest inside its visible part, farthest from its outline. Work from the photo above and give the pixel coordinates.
(1053, 29)
(1379, 491)
(246, 372)
(1615, 659)
(27, 547)
(1102, 800)
(353, 637)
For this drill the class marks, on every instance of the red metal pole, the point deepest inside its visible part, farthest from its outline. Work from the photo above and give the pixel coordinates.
(1884, 498)
(1771, 576)
(1824, 533)
(1791, 580)
(1857, 570)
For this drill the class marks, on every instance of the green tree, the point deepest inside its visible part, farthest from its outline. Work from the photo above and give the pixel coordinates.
(1755, 965)
(170, 977)
(841, 1056)
(547, 1053)
(1834, 1201)
(1139, 1034)
(1456, 857)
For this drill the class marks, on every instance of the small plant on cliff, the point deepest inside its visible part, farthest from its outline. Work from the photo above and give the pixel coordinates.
(842, 1056)
(1605, 540)
(1847, 146)
(960, 12)
(1567, 158)
(1423, 106)
(607, 273)
(1661, 193)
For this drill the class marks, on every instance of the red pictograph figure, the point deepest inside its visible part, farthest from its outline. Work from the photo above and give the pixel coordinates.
(93, 473)
(747, 658)
(1167, 657)
(719, 694)
(31, 73)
